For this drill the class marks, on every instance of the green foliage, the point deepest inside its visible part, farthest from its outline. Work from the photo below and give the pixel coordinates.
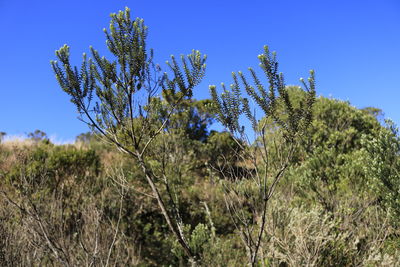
(223, 150)
(46, 166)
(340, 126)
(193, 117)
(199, 238)
(293, 120)
(382, 165)
(124, 88)
(330, 161)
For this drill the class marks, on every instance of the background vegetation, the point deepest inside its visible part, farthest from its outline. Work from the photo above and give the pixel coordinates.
(338, 204)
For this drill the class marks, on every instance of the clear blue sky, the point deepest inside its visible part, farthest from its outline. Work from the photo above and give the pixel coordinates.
(354, 47)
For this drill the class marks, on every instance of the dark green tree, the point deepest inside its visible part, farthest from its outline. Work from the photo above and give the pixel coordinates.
(191, 117)
(116, 98)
